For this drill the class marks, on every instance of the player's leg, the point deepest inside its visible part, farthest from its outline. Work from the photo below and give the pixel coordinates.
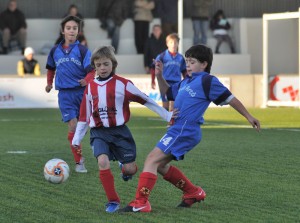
(107, 179)
(147, 181)
(77, 152)
(123, 148)
(171, 105)
(128, 170)
(69, 104)
(101, 151)
(191, 192)
(165, 102)
(189, 137)
(166, 105)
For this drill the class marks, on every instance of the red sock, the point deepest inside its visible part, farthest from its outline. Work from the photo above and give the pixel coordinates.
(107, 180)
(179, 180)
(146, 183)
(76, 152)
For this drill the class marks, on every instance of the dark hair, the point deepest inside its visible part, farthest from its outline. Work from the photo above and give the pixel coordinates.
(70, 18)
(218, 13)
(73, 6)
(202, 53)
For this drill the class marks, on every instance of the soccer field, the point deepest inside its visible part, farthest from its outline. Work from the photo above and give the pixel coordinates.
(247, 176)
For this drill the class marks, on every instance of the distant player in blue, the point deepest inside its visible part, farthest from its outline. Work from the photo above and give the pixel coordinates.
(69, 62)
(174, 66)
(192, 97)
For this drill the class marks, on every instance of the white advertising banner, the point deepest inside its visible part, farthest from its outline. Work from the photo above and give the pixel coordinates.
(29, 92)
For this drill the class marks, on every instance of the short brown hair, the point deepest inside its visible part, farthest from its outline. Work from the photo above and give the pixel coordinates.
(172, 36)
(105, 52)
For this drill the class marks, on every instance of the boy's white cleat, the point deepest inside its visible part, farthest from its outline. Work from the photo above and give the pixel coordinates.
(80, 168)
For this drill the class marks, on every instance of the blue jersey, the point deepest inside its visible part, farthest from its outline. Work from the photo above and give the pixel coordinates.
(174, 66)
(71, 64)
(193, 95)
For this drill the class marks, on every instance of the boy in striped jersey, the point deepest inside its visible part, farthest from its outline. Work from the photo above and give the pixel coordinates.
(105, 109)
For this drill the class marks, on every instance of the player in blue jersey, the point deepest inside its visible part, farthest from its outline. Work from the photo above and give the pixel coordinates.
(174, 66)
(192, 97)
(69, 62)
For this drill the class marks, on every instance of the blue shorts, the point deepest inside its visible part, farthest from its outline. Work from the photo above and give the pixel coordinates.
(116, 142)
(180, 139)
(69, 101)
(164, 96)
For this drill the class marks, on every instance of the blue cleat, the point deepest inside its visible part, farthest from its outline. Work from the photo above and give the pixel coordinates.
(112, 207)
(124, 177)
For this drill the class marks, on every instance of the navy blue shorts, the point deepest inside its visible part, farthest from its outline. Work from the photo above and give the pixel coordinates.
(69, 101)
(116, 142)
(180, 139)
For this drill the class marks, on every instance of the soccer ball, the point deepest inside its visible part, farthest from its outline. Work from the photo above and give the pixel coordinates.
(56, 171)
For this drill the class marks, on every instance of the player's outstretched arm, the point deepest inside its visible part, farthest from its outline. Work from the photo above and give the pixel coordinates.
(238, 106)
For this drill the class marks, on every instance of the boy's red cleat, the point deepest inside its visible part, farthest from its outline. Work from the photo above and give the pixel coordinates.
(136, 206)
(189, 199)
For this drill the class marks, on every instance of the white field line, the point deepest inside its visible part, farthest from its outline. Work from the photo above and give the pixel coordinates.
(34, 152)
(207, 124)
(290, 130)
(16, 152)
(25, 120)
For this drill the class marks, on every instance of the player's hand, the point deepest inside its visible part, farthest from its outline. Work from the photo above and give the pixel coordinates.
(82, 82)
(48, 88)
(175, 113)
(255, 123)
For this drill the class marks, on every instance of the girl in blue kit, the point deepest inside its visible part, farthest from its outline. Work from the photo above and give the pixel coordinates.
(69, 62)
(192, 97)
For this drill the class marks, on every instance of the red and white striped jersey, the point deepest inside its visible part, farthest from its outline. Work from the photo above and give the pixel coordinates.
(106, 104)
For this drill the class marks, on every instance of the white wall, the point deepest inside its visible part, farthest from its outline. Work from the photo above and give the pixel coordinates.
(283, 45)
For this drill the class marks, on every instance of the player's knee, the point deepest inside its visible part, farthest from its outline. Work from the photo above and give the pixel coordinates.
(129, 169)
(72, 125)
(103, 162)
